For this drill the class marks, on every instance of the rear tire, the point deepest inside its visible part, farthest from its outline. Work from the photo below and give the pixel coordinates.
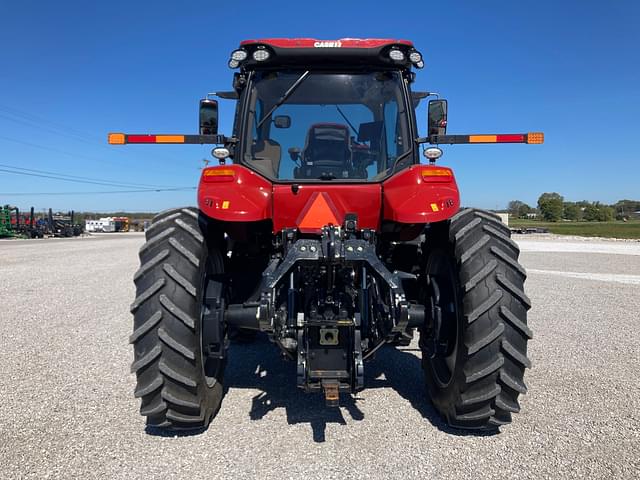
(474, 380)
(180, 389)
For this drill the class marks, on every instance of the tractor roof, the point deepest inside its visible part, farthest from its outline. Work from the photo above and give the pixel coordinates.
(315, 43)
(270, 53)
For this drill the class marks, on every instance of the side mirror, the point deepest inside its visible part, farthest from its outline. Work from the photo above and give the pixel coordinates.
(437, 121)
(282, 121)
(208, 117)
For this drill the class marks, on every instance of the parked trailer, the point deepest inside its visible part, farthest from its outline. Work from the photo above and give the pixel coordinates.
(104, 225)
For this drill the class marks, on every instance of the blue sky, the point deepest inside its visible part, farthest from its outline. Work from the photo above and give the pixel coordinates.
(72, 71)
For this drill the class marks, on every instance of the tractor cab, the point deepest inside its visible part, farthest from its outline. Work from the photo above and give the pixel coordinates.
(320, 125)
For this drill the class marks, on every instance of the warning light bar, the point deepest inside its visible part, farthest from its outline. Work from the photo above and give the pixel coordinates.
(530, 138)
(123, 138)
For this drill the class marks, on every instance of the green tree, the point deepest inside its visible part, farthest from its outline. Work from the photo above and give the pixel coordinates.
(598, 212)
(605, 213)
(550, 206)
(523, 210)
(571, 211)
(591, 213)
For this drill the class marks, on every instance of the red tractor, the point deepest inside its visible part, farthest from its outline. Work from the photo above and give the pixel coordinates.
(321, 227)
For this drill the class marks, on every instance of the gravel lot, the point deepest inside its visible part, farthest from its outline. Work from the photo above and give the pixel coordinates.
(69, 410)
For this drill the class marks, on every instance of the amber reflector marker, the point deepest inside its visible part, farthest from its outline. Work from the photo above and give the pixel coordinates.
(219, 172)
(169, 138)
(218, 175)
(535, 137)
(437, 174)
(116, 138)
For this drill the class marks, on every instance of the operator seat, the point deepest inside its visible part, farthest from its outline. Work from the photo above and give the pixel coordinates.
(327, 151)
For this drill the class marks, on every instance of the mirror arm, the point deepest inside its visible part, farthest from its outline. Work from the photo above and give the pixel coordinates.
(129, 138)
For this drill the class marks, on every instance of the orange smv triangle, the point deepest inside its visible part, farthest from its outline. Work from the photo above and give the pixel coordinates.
(318, 214)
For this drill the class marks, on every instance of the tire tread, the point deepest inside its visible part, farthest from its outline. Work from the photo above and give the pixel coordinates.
(167, 363)
(495, 331)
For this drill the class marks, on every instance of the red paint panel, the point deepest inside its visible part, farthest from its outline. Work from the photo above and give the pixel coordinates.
(246, 198)
(305, 208)
(141, 139)
(409, 199)
(338, 43)
(510, 138)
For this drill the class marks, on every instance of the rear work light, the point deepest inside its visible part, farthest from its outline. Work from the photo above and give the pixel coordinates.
(396, 55)
(415, 57)
(221, 153)
(433, 153)
(261, 55)
(239, 55)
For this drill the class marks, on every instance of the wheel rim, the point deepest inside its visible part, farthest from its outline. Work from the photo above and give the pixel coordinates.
(442, 295)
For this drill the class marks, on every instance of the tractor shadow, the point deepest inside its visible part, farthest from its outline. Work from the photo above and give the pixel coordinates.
(258, 365)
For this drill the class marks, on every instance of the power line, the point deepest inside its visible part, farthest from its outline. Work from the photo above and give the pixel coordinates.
(120, 184)
(59, 129)
(46, 128)
(77, 155)
(106, 184)
(70, 154)
(49, 149)
(38, 121)
(177, 189)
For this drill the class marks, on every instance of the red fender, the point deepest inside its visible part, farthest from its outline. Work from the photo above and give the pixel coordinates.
(420, 194)
(234, 193)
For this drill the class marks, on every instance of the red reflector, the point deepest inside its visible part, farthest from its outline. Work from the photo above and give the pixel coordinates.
(141, 139)
(518, 138)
